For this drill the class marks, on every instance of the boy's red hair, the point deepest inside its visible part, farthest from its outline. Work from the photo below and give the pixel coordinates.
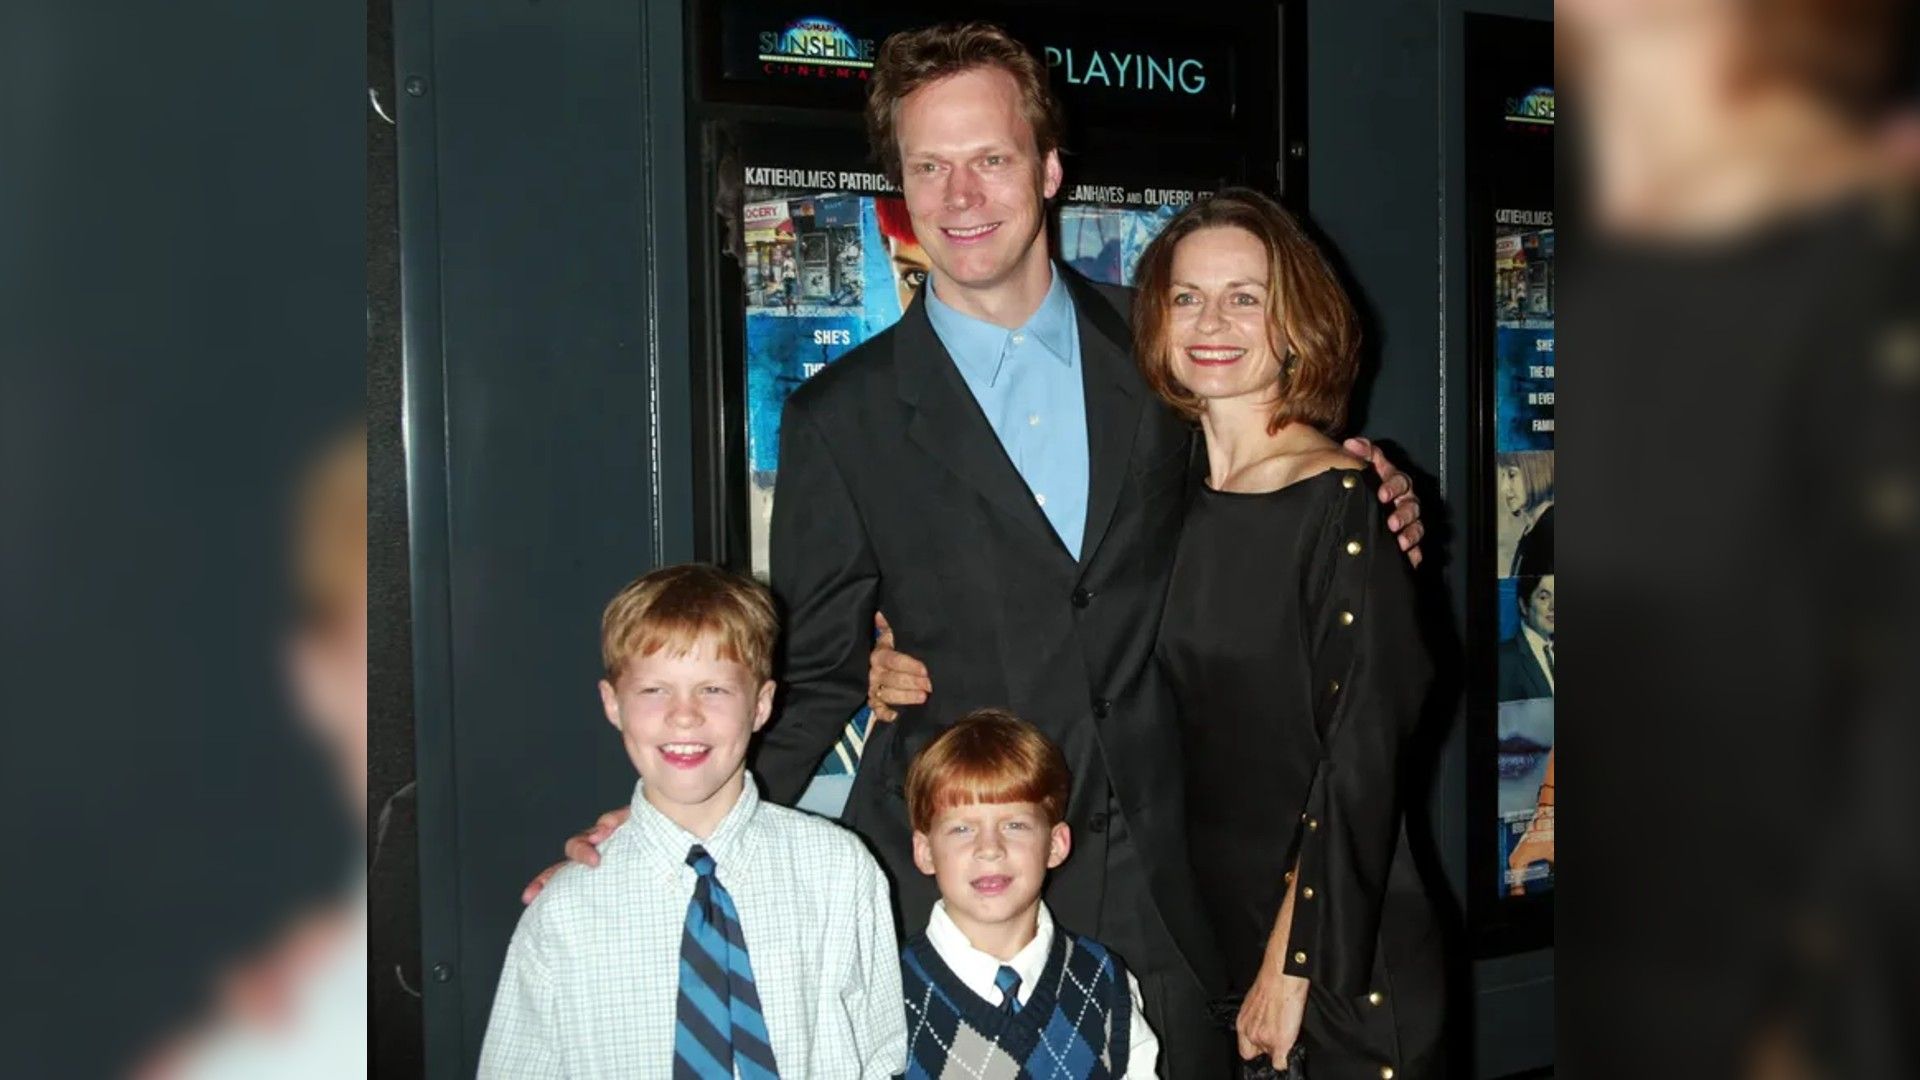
(990, 756)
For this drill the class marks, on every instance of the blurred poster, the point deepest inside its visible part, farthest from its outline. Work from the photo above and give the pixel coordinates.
(1523, 407)
(828, 269)
(1511, 105)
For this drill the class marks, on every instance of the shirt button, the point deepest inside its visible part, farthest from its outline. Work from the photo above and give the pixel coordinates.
(1039, 498)
(1033, 419)
(1019, 339)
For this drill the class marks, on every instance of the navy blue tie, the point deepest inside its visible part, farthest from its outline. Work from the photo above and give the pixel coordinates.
(719, 1026)
(1008, 980)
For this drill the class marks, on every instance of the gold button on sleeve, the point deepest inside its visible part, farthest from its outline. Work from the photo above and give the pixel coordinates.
(1333, 687)
(1353, 547)
(1348, 481)
(1299, 958)
(1346, 618)
(1376, 998)
(1307, 892)
(1313, 823)
(1386, 1072)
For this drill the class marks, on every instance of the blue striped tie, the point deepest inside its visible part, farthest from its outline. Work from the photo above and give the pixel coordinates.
(719, 1025)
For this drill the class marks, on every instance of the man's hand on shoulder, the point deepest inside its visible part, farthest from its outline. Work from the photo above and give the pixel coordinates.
(1396, 487)
(583, 848)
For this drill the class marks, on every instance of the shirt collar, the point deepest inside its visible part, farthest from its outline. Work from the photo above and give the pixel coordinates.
(669, 843)
(980, 347)
(977, 968)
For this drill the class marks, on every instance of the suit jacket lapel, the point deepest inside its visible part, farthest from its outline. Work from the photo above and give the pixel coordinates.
(1114, 399)
(948, 425)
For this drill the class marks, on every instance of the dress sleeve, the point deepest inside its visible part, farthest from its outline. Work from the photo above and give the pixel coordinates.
(1371, 674)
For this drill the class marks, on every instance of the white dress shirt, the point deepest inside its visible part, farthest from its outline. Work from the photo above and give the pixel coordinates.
(592, 974)
(1539, 645)
(976, 969)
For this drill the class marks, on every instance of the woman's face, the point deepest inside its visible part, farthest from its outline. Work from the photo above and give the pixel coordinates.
(1513, 489)
(1220, 301)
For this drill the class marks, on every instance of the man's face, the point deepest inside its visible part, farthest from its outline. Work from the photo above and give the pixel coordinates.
(990, 860)
(1537, 608)
(685, 721)
(975, 185)
(910, 266)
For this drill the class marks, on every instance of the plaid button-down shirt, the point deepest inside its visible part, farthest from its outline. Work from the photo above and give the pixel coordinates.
(592, 973)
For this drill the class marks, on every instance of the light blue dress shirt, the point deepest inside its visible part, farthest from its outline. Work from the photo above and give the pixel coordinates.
(1028, 382)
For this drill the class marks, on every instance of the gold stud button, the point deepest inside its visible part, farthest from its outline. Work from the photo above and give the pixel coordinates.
(1313, 823)
(1333, 687)
(1346, 618)
(1349, 480)
(1299, 958)
(1386, 1072)
(1353, 547)
(1307, 892)
(1376, 998)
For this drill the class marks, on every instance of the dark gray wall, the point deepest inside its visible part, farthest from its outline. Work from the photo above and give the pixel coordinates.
(542, 214)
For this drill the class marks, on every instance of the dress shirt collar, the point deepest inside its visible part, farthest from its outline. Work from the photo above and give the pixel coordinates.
(668, 843)
(980, 347)
(977, 968)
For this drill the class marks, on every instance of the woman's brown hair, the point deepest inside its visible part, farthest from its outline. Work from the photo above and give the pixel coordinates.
(1310, 322)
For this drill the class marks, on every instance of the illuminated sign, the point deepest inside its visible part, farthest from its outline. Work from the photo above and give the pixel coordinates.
(815, 46)
(1535, 107)
(1128, 71)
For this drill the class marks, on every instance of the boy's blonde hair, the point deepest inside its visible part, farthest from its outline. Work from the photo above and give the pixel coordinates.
(676, 608)
(990, 756)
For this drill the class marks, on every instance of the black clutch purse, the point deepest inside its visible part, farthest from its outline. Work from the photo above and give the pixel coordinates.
(1225, 1011)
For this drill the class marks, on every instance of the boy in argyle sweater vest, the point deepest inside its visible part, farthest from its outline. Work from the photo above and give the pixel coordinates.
(994, 989)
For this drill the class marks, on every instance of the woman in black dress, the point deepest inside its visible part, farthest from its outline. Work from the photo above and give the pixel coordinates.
(1291, 640)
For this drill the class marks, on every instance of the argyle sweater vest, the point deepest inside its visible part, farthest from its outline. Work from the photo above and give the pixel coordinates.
(1074, 1026)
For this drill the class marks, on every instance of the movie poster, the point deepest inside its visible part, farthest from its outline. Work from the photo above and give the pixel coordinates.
(832, 260)
(1523, 497)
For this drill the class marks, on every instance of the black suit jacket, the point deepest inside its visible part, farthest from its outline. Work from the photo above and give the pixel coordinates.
(1520, 676)
(895, 494)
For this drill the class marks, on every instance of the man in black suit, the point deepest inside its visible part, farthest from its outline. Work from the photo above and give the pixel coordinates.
(1526, 659)
(917, 477)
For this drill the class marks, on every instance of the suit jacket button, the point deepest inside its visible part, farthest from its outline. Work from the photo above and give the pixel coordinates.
(1101, 707)
(1081, 598)
(1097, 823)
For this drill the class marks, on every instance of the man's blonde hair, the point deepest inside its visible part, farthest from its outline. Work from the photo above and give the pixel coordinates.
(676, 609)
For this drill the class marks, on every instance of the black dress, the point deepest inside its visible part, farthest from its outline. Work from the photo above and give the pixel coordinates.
(1291, 639)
